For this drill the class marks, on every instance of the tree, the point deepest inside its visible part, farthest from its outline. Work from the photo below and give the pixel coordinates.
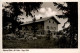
(71, 12)
(34, 27)
(13, 9)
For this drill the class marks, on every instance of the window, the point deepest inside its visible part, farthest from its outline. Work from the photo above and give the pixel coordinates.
(51, 27)
(41, 33)
(54, 28)
(47, 27)
(41, 27)
(26, 28)
(49, 21)
(54, 33)
(53, 22)
(10, 26)
(20, 27)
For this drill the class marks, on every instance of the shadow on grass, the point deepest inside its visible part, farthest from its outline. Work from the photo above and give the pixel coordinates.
(39, 43)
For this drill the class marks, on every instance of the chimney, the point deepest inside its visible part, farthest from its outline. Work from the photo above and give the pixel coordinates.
(40, 17)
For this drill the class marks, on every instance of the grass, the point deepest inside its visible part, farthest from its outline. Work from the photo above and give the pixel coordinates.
(39, 43)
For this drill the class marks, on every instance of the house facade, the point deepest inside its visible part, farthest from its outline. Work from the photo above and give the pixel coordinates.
(41, 26)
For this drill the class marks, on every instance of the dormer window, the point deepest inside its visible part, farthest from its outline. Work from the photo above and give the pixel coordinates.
(40, 17)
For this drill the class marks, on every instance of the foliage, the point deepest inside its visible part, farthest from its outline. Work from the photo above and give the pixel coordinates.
(34, 27)
(13, 9)
(71, 13)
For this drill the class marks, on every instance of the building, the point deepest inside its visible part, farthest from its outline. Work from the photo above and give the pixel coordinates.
(41, 26)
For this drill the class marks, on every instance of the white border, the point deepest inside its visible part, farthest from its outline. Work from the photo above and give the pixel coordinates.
(41, 50)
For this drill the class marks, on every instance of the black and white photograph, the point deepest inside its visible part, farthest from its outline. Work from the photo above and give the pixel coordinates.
(43, 25)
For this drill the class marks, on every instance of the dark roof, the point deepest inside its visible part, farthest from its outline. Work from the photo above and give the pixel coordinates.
(61, 16)
(43, 19)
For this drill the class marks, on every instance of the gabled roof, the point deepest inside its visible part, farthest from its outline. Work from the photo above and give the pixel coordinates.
(43, 19)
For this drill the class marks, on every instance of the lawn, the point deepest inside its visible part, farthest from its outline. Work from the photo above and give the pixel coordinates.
(38, 43)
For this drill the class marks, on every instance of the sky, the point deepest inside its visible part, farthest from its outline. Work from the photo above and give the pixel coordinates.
(47, 9)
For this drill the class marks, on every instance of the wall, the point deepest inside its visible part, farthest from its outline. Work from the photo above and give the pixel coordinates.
(39, 26)
(53, 27)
